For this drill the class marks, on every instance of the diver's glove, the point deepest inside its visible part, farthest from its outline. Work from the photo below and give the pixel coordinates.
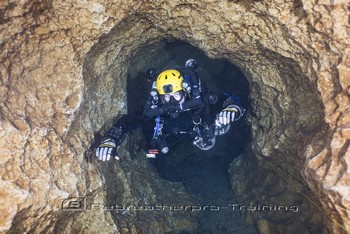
(223, 120)
(227, 115)
(107, 149)
(233, 111)
(108, 146)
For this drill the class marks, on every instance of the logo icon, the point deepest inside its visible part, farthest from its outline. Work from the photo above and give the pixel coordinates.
(74, 204)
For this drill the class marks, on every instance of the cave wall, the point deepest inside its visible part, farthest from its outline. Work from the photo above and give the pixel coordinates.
(53, 104)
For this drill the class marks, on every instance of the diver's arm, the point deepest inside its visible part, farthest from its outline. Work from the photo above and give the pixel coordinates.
(191, 104)
(117, 134)
(151, 109)
(233, 111)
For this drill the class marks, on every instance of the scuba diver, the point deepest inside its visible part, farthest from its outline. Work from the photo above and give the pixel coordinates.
(179, 107)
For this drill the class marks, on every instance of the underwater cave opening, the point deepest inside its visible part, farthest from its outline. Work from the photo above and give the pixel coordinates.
(203, 173)
(220, 77)
(284, 112)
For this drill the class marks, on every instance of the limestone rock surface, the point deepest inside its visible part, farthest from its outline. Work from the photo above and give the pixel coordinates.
(63, 65)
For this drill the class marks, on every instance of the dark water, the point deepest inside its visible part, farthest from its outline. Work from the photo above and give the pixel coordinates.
(205, 176)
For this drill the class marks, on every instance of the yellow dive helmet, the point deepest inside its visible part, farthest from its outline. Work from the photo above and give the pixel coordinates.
(169, 81)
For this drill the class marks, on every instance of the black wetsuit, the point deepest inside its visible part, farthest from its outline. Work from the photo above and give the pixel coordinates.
(177, 120)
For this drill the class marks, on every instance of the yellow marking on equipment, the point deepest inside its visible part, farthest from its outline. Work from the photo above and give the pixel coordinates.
(230, 109)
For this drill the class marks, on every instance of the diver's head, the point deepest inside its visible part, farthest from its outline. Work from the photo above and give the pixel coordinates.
(169, 85)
